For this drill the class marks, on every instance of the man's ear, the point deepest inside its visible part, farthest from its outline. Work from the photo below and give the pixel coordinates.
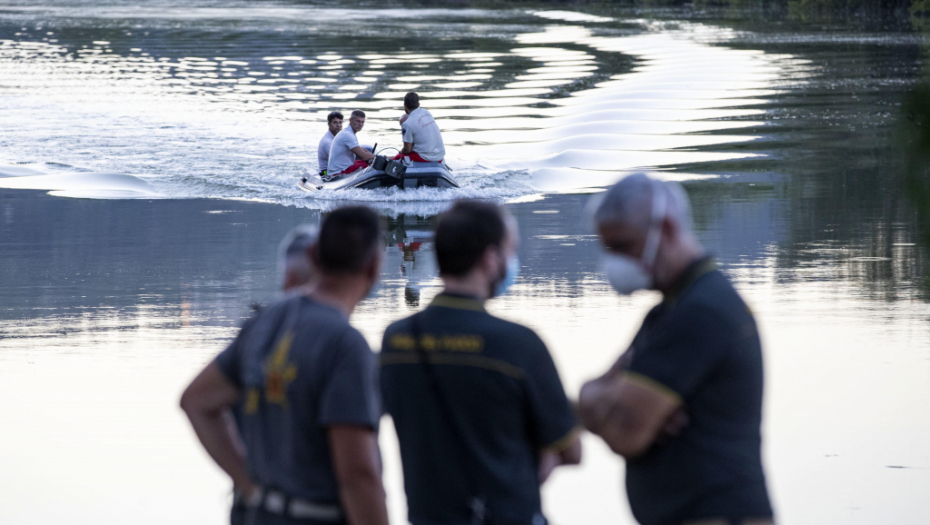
(490, 261)
(373, 271)
(670, 228)
(313, 255)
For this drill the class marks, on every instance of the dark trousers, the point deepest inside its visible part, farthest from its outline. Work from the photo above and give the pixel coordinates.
(257, 516)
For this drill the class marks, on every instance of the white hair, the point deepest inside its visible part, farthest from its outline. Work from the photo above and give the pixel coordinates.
(292, 252)
(630, 201)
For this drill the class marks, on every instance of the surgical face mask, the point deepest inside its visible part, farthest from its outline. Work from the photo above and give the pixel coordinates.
(511, 272)
(627, 274)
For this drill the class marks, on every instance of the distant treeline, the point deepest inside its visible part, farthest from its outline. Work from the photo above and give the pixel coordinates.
(915, 13)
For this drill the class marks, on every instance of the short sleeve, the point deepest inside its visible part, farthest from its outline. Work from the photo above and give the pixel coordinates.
(551, 415)
(408, 132)
(350, 395)
(229, 360)
(351, 140)
(683, 349)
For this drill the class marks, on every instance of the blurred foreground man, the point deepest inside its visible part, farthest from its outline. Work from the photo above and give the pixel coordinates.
(479, 409)
(683, 405)
(295, 258)
(303, 449)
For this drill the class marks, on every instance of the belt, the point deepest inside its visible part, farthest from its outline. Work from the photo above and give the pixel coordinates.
(277, 502)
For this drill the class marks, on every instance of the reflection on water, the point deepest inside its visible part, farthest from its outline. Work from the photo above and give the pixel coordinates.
(109, 304)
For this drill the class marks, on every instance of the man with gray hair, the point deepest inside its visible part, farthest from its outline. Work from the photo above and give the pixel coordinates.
(295, 257)
(683, 404)
(345, 154)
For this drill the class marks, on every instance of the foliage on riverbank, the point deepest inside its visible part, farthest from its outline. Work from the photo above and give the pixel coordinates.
(916, 144)
(915, 13)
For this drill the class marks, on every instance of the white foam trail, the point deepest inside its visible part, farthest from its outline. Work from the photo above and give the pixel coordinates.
(83, 185)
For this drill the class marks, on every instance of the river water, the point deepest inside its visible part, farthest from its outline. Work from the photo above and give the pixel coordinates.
(148, 160)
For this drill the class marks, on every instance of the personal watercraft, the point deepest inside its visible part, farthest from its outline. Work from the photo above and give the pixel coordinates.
(387, 173)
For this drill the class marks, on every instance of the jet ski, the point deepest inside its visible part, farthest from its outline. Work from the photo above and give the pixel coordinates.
(386, 173)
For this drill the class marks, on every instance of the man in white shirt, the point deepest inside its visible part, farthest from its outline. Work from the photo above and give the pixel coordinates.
(422, 140)
(334, 121)
(345, 155)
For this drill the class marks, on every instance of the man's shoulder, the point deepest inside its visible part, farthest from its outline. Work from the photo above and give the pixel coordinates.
(712, 304)
(714, 291)
(305, 312)
(327, 137)
(479, 323)
(503, 334)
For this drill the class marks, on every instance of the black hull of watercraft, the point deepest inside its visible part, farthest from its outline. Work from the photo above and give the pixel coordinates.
(417, 175)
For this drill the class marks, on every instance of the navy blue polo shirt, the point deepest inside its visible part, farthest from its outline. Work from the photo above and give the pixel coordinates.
(506, 396)
(701, 345)
(302, 368)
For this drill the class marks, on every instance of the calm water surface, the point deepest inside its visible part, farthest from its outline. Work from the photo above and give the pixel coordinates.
(148, 160)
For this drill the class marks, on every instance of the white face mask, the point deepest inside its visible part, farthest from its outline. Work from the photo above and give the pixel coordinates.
(627, 274)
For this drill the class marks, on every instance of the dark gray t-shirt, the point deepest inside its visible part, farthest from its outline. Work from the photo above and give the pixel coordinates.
(702, 345)
(301, 368)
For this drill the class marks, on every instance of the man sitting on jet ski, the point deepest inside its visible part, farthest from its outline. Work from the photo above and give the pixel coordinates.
(422, 140)
(345, 155)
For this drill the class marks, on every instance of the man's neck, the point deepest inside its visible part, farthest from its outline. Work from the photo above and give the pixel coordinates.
(678, 264)
(471, 285)
(342, 293)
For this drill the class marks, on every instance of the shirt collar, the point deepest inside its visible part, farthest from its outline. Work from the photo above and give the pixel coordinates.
(692, 273)
(458, 301)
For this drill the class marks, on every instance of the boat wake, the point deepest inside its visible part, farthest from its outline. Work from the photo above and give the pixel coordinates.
(557, 109)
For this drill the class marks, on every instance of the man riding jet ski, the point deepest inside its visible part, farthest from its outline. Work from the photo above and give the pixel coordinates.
(419, 164)
(422, 139)
(345, 154)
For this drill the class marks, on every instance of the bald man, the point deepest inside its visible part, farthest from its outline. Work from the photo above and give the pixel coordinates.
(683, 405)
(295, 257)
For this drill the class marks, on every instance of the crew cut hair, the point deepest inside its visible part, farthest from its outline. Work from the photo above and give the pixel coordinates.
(412, 100)
(464, 232)
(358, 113)
(334, 114)
(349, 239)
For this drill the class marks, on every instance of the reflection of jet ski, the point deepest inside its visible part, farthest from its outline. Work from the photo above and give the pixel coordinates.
(386, 173)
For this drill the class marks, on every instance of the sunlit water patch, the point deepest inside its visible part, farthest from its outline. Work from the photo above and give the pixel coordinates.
(230, 102)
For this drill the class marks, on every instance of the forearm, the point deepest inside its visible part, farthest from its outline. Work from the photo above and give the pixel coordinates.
(595, 404)
(362, 153)
(216, 434)
(597, 396)
(408, 148)
(550, 458)
(363, 500)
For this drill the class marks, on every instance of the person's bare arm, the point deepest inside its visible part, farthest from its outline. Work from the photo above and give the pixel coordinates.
(363, 153)
(357, 464)
(207, 401)
(550, 458)
(408, 148)
(628, 411)
(593, 412)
